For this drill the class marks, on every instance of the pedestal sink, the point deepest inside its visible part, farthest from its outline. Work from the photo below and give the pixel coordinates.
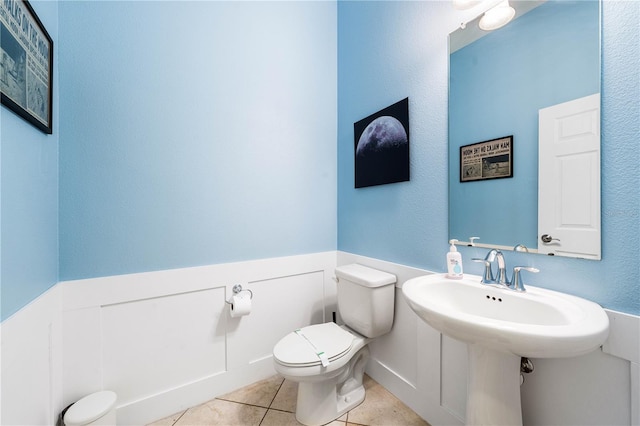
(500, 326)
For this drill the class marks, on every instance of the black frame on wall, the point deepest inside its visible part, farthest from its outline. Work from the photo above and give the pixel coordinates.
(381, 144)
(492, 159)
(26, 66)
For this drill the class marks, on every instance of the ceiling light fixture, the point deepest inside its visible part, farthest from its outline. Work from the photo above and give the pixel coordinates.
(496, 17)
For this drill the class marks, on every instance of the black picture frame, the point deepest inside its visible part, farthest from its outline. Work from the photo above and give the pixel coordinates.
(26, 64)
(492, 159)
(381, 146)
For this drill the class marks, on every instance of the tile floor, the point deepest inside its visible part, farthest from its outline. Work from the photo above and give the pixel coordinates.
(272, 402)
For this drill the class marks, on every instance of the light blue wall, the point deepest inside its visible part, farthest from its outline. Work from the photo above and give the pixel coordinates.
(206, 143)
(195, 133)
(555, 49)
(390, 50)
(29, 196)
(386, 52)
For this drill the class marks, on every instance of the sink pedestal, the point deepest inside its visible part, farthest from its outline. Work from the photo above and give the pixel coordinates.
(493, 388)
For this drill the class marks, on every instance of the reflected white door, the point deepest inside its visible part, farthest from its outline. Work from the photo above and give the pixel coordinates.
(569, 179)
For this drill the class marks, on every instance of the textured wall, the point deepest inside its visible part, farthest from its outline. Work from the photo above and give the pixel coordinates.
(386, 52)
(29, 196)
(175, 137)
(405, 54)
(195, 133)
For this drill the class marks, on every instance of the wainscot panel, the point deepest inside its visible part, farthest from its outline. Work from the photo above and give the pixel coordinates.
(31, 360)
(165, 341)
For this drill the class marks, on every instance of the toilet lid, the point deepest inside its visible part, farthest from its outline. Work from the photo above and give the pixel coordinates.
(300, 349)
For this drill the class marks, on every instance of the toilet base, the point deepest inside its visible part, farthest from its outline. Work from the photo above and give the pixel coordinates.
(321, 402)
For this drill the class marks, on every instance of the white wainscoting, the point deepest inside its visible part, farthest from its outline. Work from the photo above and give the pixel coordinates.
(163, 341)
(32, 362)
(428, 371)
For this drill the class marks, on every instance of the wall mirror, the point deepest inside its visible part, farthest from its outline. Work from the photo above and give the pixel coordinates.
(507, 91)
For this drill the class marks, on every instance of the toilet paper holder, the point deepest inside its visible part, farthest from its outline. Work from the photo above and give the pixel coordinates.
(238, 289)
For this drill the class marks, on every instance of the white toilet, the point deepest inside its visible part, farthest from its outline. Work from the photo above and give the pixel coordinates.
(328, 360)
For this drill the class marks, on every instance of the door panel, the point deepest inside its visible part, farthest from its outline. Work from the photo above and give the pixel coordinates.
(569, 179)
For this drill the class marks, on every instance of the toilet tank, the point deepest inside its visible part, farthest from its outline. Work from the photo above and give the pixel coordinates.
(366, 299)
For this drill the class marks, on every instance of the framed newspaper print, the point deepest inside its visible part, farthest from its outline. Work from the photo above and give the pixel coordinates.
(26, 64)
(491, 159)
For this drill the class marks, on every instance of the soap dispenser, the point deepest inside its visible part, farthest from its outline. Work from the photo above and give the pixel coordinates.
(454, 262)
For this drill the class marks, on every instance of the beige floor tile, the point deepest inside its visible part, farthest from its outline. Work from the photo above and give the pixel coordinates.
(167, 421)
(260, 393)
(380, 407)
(248, 407)
(281, 418)
(222, 413)
(286, 398)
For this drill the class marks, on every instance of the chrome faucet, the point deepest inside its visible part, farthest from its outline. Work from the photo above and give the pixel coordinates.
(501, 278)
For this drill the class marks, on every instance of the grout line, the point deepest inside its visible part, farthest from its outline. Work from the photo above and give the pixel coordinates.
(242, 403)
(276, 394)
(263, 416)
(282, 411)
(271, 403)
(180, 416)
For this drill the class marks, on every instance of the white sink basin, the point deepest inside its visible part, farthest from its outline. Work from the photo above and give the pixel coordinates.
(499, 326)
(538, 323)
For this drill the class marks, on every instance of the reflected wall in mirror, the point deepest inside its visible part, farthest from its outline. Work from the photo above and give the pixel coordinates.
(498, 83)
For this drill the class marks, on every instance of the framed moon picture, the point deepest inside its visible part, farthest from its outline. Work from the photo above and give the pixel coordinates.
(382, 146)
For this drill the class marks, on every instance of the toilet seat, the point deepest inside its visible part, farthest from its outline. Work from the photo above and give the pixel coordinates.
(301, 348)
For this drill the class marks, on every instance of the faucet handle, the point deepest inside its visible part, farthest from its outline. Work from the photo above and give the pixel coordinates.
(516, 282)
(488, 274)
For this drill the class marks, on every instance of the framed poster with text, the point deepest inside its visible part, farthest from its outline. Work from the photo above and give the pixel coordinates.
(26, 64)
(487, 160)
